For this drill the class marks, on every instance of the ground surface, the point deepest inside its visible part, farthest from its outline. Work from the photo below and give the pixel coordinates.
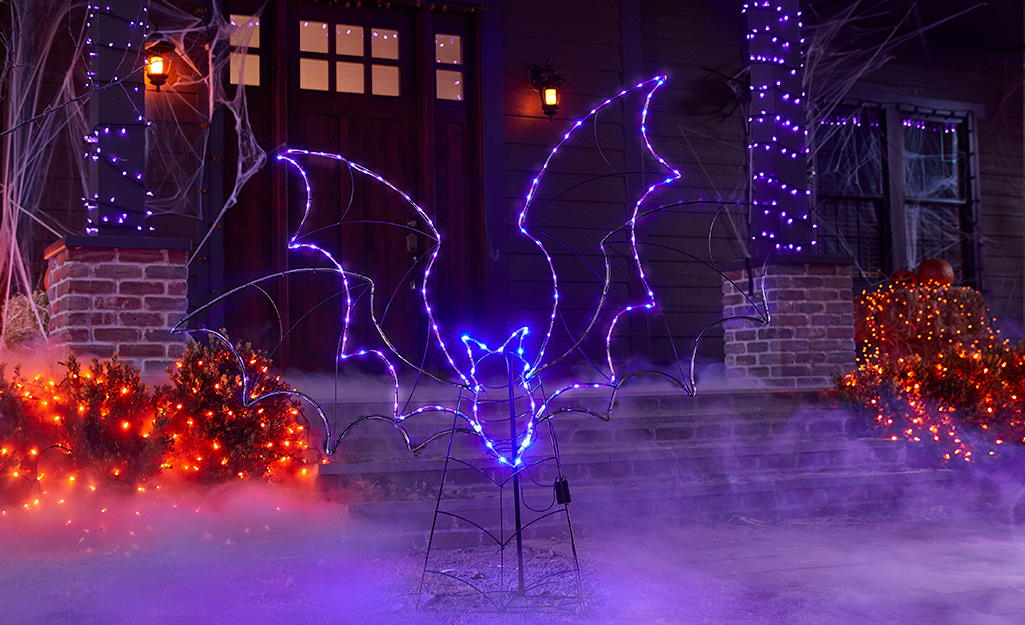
(256, 558)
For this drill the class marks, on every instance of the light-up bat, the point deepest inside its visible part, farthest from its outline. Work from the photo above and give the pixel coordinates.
(585, 337)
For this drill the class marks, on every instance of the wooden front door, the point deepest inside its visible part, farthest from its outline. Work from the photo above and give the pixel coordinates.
(395, 91)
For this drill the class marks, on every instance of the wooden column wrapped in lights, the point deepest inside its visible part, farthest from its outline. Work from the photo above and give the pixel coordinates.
(118, 289)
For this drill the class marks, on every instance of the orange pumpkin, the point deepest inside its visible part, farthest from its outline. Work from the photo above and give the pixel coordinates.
(936, 270)
(903, 278)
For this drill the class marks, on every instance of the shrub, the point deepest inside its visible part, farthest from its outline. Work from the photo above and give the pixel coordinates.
(934, 371)
(216, 436)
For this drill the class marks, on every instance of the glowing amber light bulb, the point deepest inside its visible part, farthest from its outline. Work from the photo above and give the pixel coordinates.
(551, 96)
(156, 64)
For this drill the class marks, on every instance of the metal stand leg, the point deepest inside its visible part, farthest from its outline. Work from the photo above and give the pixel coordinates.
(516, 474)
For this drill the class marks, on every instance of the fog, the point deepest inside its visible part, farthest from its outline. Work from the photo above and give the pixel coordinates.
(952, 552)
(263, 554)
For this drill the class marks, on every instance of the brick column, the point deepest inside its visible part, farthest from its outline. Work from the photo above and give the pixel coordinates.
(112, 295)
(810, 337)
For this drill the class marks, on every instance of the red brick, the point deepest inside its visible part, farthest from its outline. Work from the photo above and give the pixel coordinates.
(74, 270)
(100, 350)
(841, 357)
(157, 366)
(174, 350)
(57, 322)
(756, 347)
(92, 319)
(735, 348)
(808, 308)
(177, 257)
(145, 350)
(811, 332)
(822, 295)
(121, 271)
(76, 302)
(796, 370)
(178, 288)
(132, 287)
(167, 272)
(74, 335)
(837, 283)
(166, 303)
(808, 282)
(822, 270)
(91, 287)
(140, 256)
(117, 335)
(118, 303)
(163, 335)
(792, 320)
(91, 254)
(141, 319)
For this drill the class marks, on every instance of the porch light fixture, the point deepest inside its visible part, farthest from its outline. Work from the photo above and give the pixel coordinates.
(547, 81)
(158, 60)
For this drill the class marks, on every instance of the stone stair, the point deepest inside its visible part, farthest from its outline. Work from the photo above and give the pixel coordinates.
(765, 455)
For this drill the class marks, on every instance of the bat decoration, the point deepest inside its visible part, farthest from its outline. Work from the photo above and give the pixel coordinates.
(579, 349)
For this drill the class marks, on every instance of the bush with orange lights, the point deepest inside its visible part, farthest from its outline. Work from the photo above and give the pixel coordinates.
(216, 433)
(98, 426)
(934, 371)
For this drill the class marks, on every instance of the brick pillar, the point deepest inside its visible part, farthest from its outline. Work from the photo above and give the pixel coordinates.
(810, 337)
(112, 295)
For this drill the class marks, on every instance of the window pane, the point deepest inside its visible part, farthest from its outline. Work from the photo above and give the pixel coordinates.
(935, 231)
(246, 66)
(349, 40)
(385, 44)
(313, 74)
(349, 77)
(850, 161)
(450, 85)
(385, 80)
(245, 31)
(313, 37)
(448, 49)
(932, 160)
(854, 228)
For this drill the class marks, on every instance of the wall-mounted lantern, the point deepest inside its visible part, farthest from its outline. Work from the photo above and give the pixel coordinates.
(547, 81)
(158, 60)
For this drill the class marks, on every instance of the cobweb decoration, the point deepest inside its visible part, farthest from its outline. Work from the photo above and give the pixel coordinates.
(848, 146)
(43, 174)
(571, 344)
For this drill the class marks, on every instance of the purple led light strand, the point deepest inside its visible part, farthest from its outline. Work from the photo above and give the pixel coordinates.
(428, 267)
(478, 390)
(473, 419)
(536, 365)
(650, 304)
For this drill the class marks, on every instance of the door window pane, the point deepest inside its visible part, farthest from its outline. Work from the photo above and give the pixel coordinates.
(448, 49)
(385, 80)
(244, 69)
(313, 37)
(450, 85)
(385, 44)
(245, 31)
(349, 77)
(349, 40)
(313, 74)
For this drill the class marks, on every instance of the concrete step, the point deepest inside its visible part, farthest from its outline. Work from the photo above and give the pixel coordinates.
(628, 465)
(405, 524)
(638, 421)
